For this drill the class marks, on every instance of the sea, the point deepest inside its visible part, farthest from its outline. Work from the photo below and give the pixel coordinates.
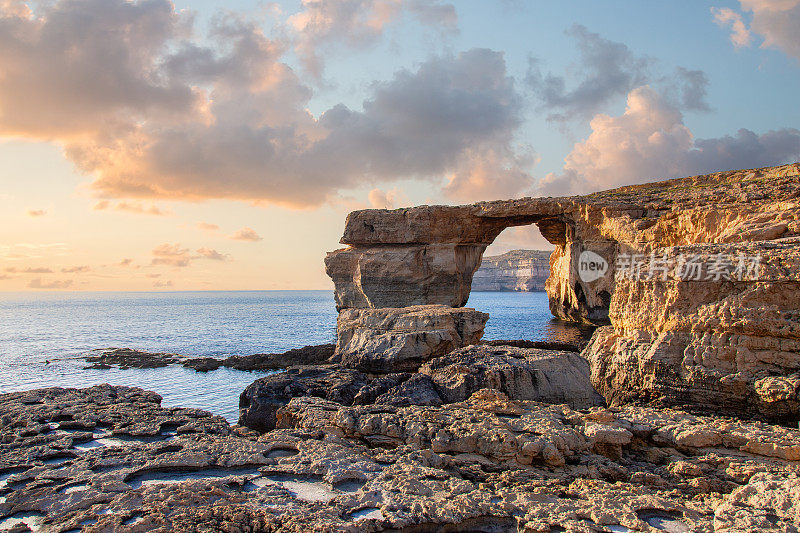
(44, 337)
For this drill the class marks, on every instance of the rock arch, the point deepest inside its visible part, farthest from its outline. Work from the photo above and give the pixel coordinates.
(428, 255)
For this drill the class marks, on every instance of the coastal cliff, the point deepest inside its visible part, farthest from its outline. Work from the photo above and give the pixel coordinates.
(517, 270)
(697, 279)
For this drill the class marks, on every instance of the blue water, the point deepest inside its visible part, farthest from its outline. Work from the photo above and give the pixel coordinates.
(58, 327)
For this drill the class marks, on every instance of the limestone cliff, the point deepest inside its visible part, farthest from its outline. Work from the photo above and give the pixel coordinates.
(698, 278)
(517, 270)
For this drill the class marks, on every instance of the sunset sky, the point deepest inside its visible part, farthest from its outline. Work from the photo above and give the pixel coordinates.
(150, 145)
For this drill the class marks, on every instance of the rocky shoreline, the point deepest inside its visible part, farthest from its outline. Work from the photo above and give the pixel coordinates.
(112, 459)
(681, 414)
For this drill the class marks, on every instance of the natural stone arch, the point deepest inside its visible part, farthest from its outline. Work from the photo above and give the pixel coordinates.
(428, 255)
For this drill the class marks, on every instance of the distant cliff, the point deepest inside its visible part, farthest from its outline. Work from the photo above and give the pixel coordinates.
(517, 270)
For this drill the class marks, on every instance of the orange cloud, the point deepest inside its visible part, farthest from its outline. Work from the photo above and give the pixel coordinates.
(246, 234)
(171, 254)
(740, 34)
(129, 207)
(208, 253)
(29, 270)
(77, 269)
(177, 256)
(207, 226)
(650, 139)
(37, 283)
(36, 212)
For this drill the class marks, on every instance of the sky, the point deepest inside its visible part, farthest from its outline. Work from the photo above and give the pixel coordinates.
(155, 146)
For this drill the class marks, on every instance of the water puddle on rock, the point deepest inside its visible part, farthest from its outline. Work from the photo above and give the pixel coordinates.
(103, 442)
(32, 520)
(155, 478)
(71, 489)
(307, 489)
(368, 513)
(5, 477)
(58, 459)
(662, 520)
(277, 453)
(135, 519)
(617, 529)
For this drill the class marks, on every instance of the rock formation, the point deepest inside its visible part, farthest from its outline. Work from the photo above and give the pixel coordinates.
(669, 265)
(113, 459)
(517, 270)
(397, 340)
(549, 376)
(128, 358)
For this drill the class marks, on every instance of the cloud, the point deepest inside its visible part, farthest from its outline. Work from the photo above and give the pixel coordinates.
(208, 253)
(609, 70)
(207, 226)
(171, 254)
(178, 256)
(126, 262)
(130, 207)
(36, 212)
(77, 269)
(491, 174)
(379, 199)
(72, 65)
(152, 110)
(327, 24)
(29, 270)
(687, 89)
(25, 250)
(420, 124)
(774, 20)
(649, 140)
(740, 34)
(777, 21)
(162, 284)
(246, 234)
(38, 283)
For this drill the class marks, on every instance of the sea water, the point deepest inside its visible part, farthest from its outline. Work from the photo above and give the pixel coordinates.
(44, 336)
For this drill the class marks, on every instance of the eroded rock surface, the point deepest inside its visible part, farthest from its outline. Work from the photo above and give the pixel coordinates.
(486, 464)
(723, 344)
(548, 376)
(520, 373)
(396, 340)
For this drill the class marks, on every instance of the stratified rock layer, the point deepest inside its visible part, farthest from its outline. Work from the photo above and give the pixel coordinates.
(517, 270)
(399, 340)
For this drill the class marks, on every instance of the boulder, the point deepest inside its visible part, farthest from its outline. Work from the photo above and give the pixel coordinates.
(547, 376)
(260, 401)
(401, 339)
